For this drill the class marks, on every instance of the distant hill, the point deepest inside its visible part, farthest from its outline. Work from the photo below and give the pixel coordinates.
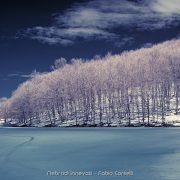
(135, 88)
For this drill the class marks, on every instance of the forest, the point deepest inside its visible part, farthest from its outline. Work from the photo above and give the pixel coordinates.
(135, 88)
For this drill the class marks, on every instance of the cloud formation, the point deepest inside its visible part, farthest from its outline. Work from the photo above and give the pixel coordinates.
(20, 75)
(166, 7)
(99, 19)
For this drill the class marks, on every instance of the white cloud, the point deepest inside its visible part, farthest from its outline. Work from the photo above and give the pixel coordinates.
(13, 75)
(18, 75)
(97, 20)
(21, 75)
(125, 41)
(166, 7)
(147, 45)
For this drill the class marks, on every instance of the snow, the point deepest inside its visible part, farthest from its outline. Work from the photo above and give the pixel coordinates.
(176, 124)
(1, 121)
(173, 118)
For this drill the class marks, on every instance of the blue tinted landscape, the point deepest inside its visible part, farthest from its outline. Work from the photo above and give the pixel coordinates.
(90, 90)
(34, 154)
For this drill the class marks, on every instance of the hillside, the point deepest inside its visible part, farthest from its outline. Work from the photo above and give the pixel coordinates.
(136, 88)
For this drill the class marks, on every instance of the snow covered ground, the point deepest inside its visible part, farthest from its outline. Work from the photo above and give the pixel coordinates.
(173, 119)
(1, 121)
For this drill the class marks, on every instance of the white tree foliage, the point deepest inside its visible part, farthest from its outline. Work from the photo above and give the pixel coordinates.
(138, 85)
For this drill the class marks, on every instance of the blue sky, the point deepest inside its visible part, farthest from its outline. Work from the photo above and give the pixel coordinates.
(35, 33)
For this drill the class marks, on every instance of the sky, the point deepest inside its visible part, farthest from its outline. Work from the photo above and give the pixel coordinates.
(34, 33)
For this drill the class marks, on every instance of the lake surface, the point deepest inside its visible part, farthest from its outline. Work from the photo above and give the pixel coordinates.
(95, 153)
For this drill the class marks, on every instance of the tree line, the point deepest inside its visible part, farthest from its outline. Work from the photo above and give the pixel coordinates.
(141, 85)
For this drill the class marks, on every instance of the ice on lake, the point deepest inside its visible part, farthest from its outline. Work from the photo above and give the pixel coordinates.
(30, 153)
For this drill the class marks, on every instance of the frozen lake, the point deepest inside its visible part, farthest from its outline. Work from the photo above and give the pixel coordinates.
(35, 154)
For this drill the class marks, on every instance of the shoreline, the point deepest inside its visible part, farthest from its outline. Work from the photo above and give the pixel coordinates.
(91, 126)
